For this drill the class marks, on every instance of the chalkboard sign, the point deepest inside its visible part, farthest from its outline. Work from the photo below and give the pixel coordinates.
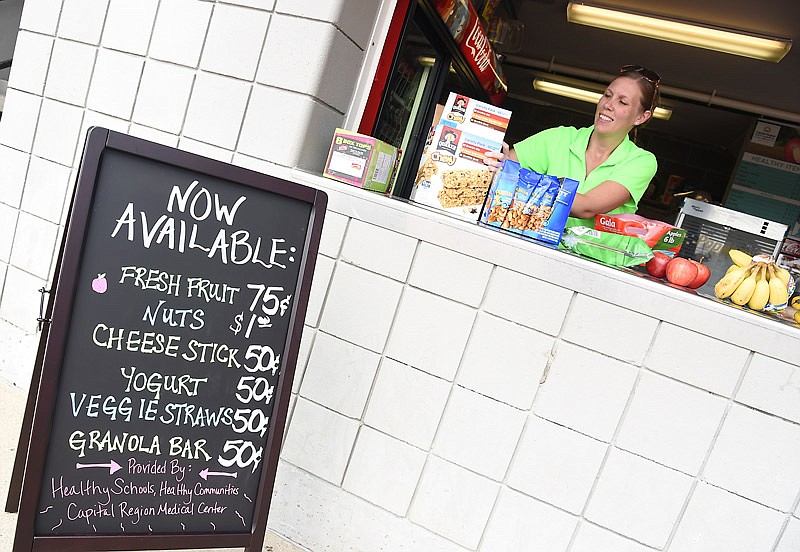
(175, 329)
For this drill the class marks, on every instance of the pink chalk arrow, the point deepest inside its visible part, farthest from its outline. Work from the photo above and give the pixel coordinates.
(112, 466)
(205, 473)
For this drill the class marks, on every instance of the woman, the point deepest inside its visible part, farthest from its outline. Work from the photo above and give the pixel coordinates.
(613, 171)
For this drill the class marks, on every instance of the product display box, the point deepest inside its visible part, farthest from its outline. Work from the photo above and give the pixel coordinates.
(362, 161)
(476, 117)
(658, 235)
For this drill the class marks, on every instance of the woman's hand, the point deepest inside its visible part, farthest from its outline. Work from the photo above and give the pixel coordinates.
(494, 159)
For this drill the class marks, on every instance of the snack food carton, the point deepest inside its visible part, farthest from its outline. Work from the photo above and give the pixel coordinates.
(476, 117)
(362, 161)
(452, 176)
(658, 235)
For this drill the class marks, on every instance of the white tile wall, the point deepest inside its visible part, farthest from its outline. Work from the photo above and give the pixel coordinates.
(129, 25)
(33, 243)
(333, 229)
(719, 521)
(157, 136)
(31, 53)
(319, 440)
(697, 359)
(653, 424)
(407, 403)
(20, 115)
(610, 329)
(355, 19)
(360, 306)
(306, 343)
(82, 20)
(235, 38)
(216, 110)
(772, 386)
(163, 96)
(450, 274)
(544, 528)
(180, 31)
(585, 391)
(8, 224)
(790, 540)
(591, 538)
(15, 167)
(70, 72)
(756, 455)
(323, 270)
(528, 301)
(504, 360)
(58, 132)
(41, 16)
(453, 502)
(423, 323)
(20, 304)
(378, 250)
(384, 471)
(638, 498)
(339, 375)
(260, 4)
(205, 149)
(478, 433)
(45, 189)
(556, 465)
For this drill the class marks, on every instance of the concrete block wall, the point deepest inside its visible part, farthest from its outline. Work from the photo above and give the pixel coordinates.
(243, 81)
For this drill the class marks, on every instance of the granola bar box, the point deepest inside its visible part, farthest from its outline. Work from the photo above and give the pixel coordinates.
(361, 160)
(476, 117)
(452, 176)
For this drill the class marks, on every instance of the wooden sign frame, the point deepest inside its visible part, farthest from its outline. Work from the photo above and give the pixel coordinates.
(35, 439)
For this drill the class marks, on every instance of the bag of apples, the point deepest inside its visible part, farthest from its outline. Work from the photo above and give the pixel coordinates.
(678, 270)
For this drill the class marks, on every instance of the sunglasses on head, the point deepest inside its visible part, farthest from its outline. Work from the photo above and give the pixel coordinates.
(649, 75)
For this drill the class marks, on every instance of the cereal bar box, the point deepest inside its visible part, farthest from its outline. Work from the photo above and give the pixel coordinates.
(452, 176)
(476, 117)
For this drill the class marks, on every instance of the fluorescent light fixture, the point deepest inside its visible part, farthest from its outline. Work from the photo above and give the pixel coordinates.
(585, 95)
(692, 34)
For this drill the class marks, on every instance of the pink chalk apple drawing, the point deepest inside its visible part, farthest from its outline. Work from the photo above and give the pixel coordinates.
(100, 284)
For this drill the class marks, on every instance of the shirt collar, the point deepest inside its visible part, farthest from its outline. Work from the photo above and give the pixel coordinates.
(581, 141)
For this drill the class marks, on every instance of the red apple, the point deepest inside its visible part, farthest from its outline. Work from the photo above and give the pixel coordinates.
(657, 266)
(792, 150)
(703, 274)
(681, 272)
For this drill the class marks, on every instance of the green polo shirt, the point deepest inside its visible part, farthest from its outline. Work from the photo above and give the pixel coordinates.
(561, 152)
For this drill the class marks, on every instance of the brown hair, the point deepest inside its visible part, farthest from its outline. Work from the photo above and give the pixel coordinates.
(648, 82)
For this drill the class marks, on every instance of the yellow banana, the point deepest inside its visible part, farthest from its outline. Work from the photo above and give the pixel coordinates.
(742, 294)
(761, 293)
(732, 267)
(782, 274)
(796, 302)
(797, 317)
(778, 293)
(728, 283)
(740, 258)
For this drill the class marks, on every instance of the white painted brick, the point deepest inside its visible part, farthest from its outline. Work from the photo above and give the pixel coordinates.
(20, 302)
(384, 471)
(45, 189)
(468, 434)
(32, 55)
(772, 386)
(58, 132)
(790, 540)
(93, 118)
(323, 269)
(33, 244)
(293, 42)
(556, 464)
(114, 83)
(534, 303)
(718, 521)
(318, 516)
(339, 375)
(355, 19)
(671, 423)
(288, 128)
(453, 502)
(756, 456)
(319, 441)
(41, 16)
(591, 538)
(82, 20)
(235, 38)
(430, 333)
(333, 230)
(638, 498)
(163, 96)
(612, 330)
(585, 391)
(504, 361)
(306, 343)
(360, 307)
(180, 31)
(157, 136)
(8, 223)
(209, 118)
(378, 250)
(450, 274)
(129, 25)
(20, 115)
(697, 359)
(70, 72)
(205, 149)
(15, 167)
(266, 5)
(407, 403)
(543, 528)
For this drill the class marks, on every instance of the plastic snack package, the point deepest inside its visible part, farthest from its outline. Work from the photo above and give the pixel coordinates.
(608, 248)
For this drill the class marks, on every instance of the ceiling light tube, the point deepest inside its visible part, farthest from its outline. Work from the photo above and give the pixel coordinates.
(584, 95)
(692, 34)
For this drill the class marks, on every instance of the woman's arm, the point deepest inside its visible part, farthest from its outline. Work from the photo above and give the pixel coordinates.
(603, 198)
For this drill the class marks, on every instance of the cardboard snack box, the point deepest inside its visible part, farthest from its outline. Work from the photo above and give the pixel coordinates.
(476, 117)
(362, 161)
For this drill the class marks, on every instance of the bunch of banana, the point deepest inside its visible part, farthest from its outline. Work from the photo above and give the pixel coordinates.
(754, 282)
